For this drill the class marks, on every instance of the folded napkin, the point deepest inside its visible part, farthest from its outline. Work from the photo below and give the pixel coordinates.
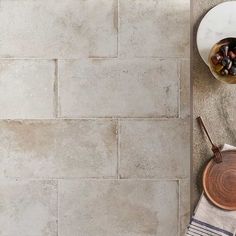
(209, 220)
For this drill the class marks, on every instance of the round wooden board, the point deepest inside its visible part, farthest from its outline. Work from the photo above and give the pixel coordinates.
(219, 181)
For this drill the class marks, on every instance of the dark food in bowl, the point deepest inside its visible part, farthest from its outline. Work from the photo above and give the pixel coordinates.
(224, 72)
(224, 60)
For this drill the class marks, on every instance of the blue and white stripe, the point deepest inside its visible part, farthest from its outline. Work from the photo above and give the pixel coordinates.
(199, 228)
(209, 220)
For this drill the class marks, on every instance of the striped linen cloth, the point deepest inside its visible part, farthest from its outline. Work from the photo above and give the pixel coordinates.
(209, 220)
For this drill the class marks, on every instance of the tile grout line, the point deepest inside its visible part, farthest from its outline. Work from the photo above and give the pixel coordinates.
(55, 89)
(114, 178)
(179, 63)
(58, 207)
(118, 27)
(123, 117)
(58, 92)
(88, 58)
(179, 199)
(94, 118)
(118, 148)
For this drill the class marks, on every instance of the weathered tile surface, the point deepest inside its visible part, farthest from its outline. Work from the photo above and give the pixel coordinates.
(26, 88)
(28, 208)
(185, 103)
(157, 28)
(154, 149)
(126, 88)
(63, 148)
(144, 75)
(127, 208)
(58, 28)
(184, 212)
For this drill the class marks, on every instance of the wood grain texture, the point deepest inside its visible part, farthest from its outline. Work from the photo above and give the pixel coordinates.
(219, 181)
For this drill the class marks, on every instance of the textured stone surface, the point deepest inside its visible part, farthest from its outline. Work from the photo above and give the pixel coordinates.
(214, 101)
(58, 28)
(120, 69)
(156, 28)
(127, 207)
(58, 149)
(28, 208)
(185, 103)
(184, 213)
(26, 88)
(154, 149)
(126, 88)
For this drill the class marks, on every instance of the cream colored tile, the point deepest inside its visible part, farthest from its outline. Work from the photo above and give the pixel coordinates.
(154, 28)
(58, 28)
(28, 208)
(126, 207)
(102, 27)
(184, 205)
(26, 89)
(58, 149)
(120, 88)
(155, 149)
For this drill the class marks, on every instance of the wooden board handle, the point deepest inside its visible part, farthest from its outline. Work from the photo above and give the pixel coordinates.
(215, 149)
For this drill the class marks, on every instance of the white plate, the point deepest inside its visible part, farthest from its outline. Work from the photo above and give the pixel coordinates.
(217, 24)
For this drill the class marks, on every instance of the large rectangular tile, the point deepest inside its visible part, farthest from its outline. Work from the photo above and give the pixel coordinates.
(156, 28)
(121, 88)
(154, 148)
(28, 208)
(58, 28)
(58, 149)
(26, 89)
(126, 207)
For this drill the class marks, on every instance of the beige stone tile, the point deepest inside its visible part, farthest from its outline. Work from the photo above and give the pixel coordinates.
(154, 149)
(185, 103)
(102, 27)
(28, 208)
(58, 149)
(58, 28)
(157, 28)
(121, 88)
(26, 88)
(126, 207)
(184, 212)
